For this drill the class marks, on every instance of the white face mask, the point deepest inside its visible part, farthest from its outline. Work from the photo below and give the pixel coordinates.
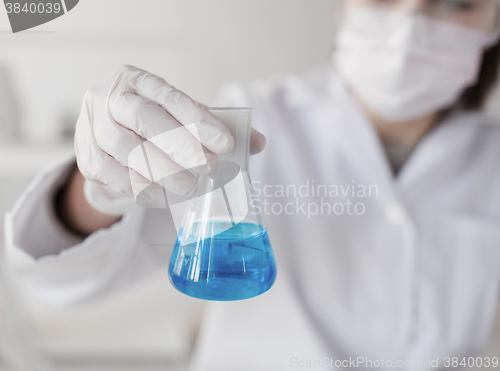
(406, 68)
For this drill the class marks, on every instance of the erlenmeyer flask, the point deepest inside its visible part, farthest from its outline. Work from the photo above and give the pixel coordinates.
(222, 251)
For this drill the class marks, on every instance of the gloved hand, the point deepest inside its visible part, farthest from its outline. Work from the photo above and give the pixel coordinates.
(135, 130)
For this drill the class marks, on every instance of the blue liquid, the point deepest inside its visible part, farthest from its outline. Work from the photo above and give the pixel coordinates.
(233, 265)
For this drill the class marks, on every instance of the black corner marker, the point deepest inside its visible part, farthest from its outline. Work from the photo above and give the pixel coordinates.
(70, 4)
(26, 14)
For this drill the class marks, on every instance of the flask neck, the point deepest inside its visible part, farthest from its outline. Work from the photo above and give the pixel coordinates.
(239, 123)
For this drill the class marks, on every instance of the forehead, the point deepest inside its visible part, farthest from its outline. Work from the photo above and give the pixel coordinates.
(388, 2)
(482, 15)
(413, 2)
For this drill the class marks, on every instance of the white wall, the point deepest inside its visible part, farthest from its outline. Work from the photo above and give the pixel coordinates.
(198, 45)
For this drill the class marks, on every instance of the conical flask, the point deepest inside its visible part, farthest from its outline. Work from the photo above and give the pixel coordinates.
(222, 251)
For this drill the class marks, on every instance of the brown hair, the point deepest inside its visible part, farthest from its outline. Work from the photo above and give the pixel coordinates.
(475, 96)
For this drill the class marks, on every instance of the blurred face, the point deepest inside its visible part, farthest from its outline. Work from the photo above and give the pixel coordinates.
(406, 59)
(480, 14)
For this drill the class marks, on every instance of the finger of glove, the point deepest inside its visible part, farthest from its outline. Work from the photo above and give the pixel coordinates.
(100, 141)
(148, 157)
(150, 121)
(95, 164)
(92, 161)
(213, 134)
(179, 183)
(143, 157)
(102, 167)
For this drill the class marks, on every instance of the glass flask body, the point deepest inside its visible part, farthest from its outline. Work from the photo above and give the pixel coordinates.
(222, 251)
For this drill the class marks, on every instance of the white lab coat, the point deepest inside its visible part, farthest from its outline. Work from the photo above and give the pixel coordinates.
(416, 276)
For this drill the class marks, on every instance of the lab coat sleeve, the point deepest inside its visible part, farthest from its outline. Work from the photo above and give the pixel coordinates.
(59, 267)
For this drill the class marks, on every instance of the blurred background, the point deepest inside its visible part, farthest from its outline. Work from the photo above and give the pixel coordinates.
(196, 45)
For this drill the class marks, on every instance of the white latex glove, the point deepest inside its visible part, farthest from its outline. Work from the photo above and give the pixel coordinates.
(130, 108)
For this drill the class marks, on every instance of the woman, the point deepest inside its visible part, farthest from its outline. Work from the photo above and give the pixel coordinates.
(398, 265)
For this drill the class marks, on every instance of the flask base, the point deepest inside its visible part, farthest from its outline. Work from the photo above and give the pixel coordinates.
(221, 289)
(233, 265)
